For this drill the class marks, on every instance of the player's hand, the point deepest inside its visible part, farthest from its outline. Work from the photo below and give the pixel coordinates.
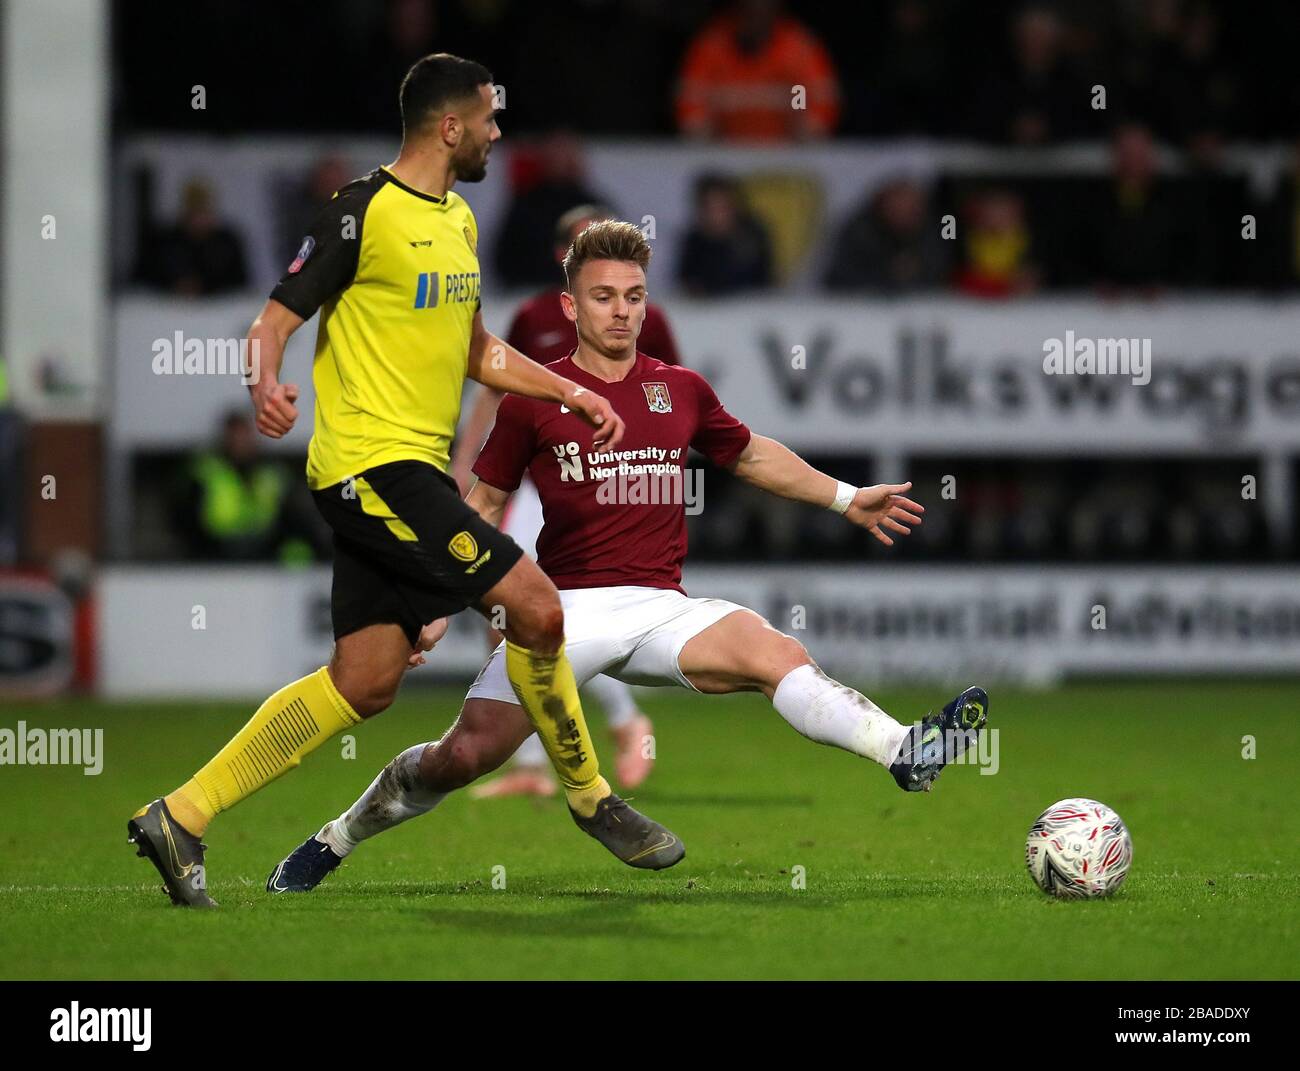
(273, 406)
(883, 506)
(597, 412)
(429, 637)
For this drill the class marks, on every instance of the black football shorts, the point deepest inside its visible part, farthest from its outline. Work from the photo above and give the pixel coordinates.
(407, 548)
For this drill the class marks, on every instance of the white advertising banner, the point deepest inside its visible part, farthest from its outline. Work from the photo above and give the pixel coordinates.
(940, 375)
(978, 377)
(243, 632)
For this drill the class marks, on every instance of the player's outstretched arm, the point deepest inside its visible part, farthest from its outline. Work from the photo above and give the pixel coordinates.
(773, 467)
(273, 401)
(495, 363)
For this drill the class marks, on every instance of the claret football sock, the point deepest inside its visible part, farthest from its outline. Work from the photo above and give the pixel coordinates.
(292, 723)
(398, 793)
(546, 689)
(832, 713)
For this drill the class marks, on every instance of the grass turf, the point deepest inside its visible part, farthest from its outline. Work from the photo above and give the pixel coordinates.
(897, 886)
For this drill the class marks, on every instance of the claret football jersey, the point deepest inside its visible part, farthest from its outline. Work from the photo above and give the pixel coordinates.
(395, 275)
(613, 518)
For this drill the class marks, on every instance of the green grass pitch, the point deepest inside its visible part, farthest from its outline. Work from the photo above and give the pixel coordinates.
(897, 886)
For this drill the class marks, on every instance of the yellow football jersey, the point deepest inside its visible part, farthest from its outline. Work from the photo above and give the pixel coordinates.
(395, 275)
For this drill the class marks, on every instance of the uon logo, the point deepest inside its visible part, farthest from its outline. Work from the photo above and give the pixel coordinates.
(463, 547)
(426, 290)
(657, 397)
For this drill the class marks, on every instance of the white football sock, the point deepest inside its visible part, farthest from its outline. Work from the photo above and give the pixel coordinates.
(832, 713)
(394, 796)
(532, 753)
(615, 699)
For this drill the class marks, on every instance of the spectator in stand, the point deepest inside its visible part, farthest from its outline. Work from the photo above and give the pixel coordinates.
(1176, 75)
(303, 200)
(891, 244)
(199, 255)
(1278, 258)
(231, 505)
(1213, 253)
(1034, 99)
(401, 32)
(1129, 235)
(726, 250)
(737, 82)
(548, 182)
(909, 92)
(996, 249)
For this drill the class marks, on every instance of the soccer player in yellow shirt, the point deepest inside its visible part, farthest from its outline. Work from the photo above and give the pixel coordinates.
(392, 265)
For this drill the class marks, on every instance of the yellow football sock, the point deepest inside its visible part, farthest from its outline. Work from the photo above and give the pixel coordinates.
(295, 721)
(548, 693)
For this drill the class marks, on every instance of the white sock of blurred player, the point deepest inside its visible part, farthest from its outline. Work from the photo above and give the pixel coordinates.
(615, 699)
(632, 731)
(630, 728)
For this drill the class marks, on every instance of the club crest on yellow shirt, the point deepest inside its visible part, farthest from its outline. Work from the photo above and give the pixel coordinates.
(469, 237)
(463, 547)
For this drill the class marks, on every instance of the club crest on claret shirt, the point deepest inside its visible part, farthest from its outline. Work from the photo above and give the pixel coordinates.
(657, 397)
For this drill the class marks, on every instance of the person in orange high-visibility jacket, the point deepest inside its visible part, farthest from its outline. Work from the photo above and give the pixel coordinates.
(753, 74)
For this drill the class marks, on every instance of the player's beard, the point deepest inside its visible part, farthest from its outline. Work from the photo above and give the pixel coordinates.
(471, 163)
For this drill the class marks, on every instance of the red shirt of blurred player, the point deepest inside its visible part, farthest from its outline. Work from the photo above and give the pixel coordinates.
(540, 328)
(542, 331)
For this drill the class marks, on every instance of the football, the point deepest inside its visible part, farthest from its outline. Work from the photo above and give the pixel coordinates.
(1078, 849)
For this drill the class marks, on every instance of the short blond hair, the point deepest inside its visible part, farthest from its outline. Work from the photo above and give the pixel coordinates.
(606, 239)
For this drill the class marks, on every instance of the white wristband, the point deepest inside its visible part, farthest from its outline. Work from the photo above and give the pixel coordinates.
(844, 495)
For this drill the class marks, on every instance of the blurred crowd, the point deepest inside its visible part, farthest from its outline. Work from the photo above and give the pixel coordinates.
(1166, 89)
(1191, 76)
(1021, 73)
(1013, 510)
(1137, 229)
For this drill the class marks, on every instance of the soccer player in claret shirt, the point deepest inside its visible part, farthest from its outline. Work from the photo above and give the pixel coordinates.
(614, 547)
(541, 330)
(392, 265)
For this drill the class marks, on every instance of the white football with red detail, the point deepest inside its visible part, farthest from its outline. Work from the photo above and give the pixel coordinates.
(1078, 849)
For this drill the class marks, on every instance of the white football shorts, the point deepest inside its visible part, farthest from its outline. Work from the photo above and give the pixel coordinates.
(632, 634)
